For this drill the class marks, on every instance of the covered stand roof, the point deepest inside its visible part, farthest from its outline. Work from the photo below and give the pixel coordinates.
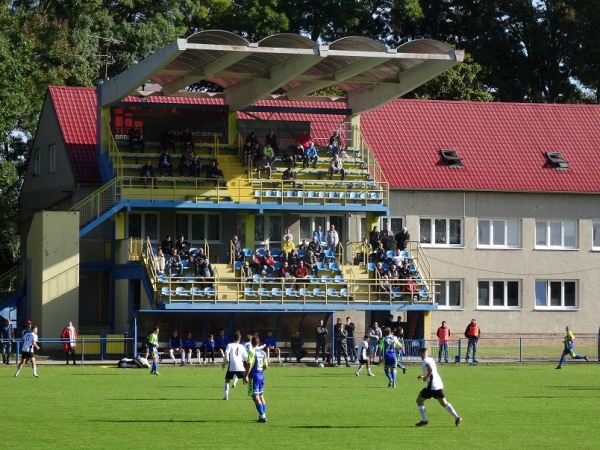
(370, 73)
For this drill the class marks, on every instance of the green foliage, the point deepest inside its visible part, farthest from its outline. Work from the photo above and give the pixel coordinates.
(503, 406)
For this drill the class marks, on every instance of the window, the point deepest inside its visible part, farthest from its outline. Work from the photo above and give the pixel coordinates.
(396, 224)
(310, 224)
(596, 236)
(557, 161)
(555, 294)
(556, 234)
(499, 233)
(51, 158)
(498, 294)
(451, 158)
(144, 224)
(268, 227)
(441, 232)
(198, 227)
(449, 294)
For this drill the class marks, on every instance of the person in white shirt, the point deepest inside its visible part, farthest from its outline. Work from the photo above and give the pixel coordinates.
(235, 358)
(28, 351)
(362, 354)
(433, 389)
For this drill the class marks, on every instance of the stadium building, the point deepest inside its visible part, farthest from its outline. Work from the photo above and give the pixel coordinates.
(500, 200)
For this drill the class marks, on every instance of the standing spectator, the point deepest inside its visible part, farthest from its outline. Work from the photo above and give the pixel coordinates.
(213, 172)
(321, 334)
(569, 348)
(183, 247)
(234, 358)
(387, 237)
(364, 251)
(350, 328)
(187, 140)
(310, 155)
(235, 252)
(271, 141)
(176, 346)
(333, 239)
(208, 348)
(433, 389)
(341, 346)
(335, 144)
(303, 139)
(472, 333)
(221, 342)
(7, 339)
(389, 346)
(296, 343)
(136, 139)
(362, 354)
(30, 339)
(256, 364)
(165, 164)
(375, 335)
(153, 347)
(443, 334)
(175, 264)
(318, 233)
(148, 173)
(160, 261)
(336, 166)
(271, 346)
(168, 140)
(189, 347)
(167, 245)
(375, 237)
(402, 239)
(69, 338)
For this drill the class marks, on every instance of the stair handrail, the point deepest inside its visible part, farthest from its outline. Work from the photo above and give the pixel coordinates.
(10, 279)
(99, 201)
(363, 150)
(112, 150)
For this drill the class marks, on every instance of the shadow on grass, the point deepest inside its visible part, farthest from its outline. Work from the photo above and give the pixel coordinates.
(343, 427)
(578, 388)
(162, 399)
(163, 421)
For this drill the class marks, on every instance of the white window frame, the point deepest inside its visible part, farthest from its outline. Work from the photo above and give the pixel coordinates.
(491, 290)
(443, 294)
(494, 226)
(432, 221)
(547, 286)
(189, 234)
(596, 235)
(51, 158)
(548, 226)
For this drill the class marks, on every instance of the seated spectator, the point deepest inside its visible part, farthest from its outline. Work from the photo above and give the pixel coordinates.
(183, 247)
(379, 271)
(251, 140)
(248, 154)
(257, 262)
(168, 140)
(293, 259)
(303, 245)
(393, 274)
(213, 172)
(271, 141)
(246, 272)
(404, 270)
(385, 288)
(296, 343)
(287, 247)
(268, 262)
(160, 261)
(310, 261)
(287, 235)
(364, 251)
(289, 175)
(301, 272)
(397, 259)
(174, 263)
(165, 165)
(202, 268)
(189, 347)
(167, 245)
(235, 250)
(270, 345)
(298, 154)
(336, 166)
(187, 141)
(335, 144)
(311, 155)
(263, 165)
(176, 346)
(136, 139)
(411, 288)
(268, 151)
(208, 349)
(315, 246)
(221, 342)
(378, 254)
(189, 162)
(286, 274)
(303, 139)
(148, 173)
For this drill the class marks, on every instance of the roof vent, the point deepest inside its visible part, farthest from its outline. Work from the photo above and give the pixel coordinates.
(451, 158)
(557, 160)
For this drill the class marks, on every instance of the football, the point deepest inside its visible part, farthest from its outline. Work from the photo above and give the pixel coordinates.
(320, 365)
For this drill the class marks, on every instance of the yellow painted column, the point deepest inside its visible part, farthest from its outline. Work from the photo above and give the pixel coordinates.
(371, 220)
(249, 219)
(232, 127)
(427, 324)
(120, 226)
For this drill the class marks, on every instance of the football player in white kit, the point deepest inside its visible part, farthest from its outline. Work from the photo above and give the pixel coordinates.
(235, 356)
(28, 352)
(362, 355)
(434, 389)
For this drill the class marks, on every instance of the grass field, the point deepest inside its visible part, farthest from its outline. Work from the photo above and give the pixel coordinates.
(503, 406)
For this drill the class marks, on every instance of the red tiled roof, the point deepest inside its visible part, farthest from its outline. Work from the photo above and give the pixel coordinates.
(503, 145)
(76, 111)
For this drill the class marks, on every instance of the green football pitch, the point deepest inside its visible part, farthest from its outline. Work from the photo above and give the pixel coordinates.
(503, 406)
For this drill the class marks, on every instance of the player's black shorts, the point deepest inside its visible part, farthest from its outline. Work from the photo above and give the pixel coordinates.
(363, 361)
(428, 393)
(27, 355)
(229, 375)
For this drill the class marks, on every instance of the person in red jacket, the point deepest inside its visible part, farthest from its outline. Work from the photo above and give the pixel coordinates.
(443, 334)
(69, 336)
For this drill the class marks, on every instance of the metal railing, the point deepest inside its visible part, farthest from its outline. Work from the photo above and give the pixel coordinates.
(98, 202)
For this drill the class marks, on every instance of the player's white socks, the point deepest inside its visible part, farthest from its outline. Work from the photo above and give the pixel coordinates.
(199, 359)
(423, 413)
(34, 368)
(226, 390)
(360, 366)
(18, 370)
(451, 410)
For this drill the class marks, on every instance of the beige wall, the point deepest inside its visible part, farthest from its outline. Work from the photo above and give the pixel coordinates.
(53, 249)
(471, 264)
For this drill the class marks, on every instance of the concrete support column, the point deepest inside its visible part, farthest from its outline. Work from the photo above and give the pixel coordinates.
(250, 230)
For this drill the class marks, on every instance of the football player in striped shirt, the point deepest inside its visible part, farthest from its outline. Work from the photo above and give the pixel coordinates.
(256, 364)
